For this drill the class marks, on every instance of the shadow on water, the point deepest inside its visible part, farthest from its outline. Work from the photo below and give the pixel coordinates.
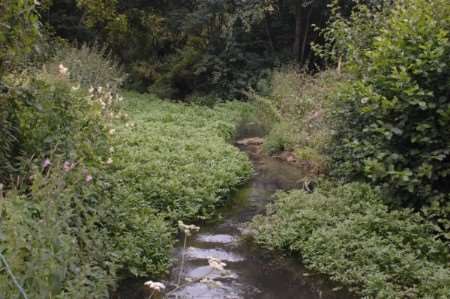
(251, 272)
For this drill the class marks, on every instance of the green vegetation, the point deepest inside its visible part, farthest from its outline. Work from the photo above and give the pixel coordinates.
(96, 189)
(348, 233)
(387, 124)
(393, 122)
(297, 114)
(176, 158)
(183, 49)
(93, 178)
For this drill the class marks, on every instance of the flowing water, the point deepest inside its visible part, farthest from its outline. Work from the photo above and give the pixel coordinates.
(250, 272)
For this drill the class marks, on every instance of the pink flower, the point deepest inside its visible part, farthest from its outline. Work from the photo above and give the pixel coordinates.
(68, 166)
(46, 163)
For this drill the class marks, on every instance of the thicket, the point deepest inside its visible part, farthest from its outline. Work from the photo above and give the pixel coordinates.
(176, 157)
(388, 126)
(349, 233)
(393, 119)
(88, 199)
(295, 112)
(178, 49)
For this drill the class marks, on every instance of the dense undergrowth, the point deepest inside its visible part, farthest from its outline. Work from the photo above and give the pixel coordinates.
(176, 156)
(350, 234)
(383, 123)
(99, 181)
(296, 114)
(92, 183)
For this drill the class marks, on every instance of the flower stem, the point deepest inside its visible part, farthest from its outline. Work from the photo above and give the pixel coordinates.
(182, 260)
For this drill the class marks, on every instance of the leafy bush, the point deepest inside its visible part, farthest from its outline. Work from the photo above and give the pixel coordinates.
(175, 158)
(349, 34)
(393, 123)
(348, 233)
(69, 229)
(19, 30)
(95, 205)
(45, 115)
(298, 109)
(89, 65)
(53, 240)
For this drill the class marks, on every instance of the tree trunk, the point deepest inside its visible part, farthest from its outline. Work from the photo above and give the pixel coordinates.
(268, 32)
(298, 29)
(305, 35)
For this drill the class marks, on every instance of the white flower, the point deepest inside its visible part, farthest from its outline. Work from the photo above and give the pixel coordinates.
(62, 69)
(112, 131)
(75, 88)
(364, 100)
(88, 178)
(111, 149)
(157, 286)
(216, 264)
(110, 161)
(46, 163)
(188, 229)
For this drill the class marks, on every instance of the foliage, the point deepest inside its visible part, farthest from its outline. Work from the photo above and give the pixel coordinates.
(348, 233)
(175, 49)
(175, 157)
(91, 66)
(347, 37)
(393, 123)
(54, 242)
(19, 28)
(96, 201)
(298, 109)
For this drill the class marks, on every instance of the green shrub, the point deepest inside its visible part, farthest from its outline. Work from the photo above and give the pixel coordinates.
(18, 32)
(44, 115)
(89, 65)
(64, 234)
(53, 239)
(175, 157)
(349, 234)
(297, 110)
(280, 138)
(393, 123)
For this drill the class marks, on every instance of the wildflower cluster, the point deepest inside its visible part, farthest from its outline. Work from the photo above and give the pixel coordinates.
(155, 286)
(63, 71)
(106, 98)
(188, 229)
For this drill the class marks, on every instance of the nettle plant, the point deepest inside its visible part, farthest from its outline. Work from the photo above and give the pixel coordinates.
(393, 122)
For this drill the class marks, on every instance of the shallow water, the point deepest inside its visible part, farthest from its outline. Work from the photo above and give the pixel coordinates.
(250, 272)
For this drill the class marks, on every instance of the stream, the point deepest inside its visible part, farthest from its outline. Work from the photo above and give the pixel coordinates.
(251, 272)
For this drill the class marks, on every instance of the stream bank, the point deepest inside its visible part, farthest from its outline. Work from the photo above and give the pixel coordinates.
(251, 272)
